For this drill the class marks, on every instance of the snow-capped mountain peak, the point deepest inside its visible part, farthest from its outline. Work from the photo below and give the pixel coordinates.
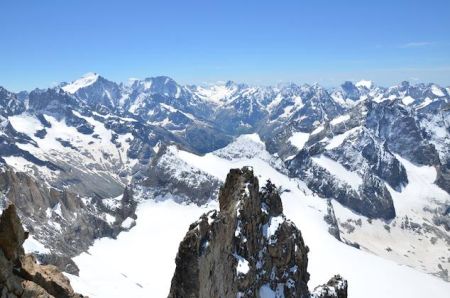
(86, 80)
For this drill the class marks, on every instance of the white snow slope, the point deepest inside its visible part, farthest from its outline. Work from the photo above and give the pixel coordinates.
(85, 81)
(96, 156)
(141, 262)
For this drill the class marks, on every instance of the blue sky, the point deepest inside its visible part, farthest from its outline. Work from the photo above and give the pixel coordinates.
(258, 42)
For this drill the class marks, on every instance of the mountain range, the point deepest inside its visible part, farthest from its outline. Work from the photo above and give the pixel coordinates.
(80, 159)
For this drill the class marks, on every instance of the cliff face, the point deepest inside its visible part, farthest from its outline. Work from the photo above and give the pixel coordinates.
(65, 222)
(20, 275)
(247, 249)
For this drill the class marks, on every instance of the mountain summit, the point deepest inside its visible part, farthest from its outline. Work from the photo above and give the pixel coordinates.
(83, 82)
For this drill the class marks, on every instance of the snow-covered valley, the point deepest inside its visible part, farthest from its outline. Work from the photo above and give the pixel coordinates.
(143, 258)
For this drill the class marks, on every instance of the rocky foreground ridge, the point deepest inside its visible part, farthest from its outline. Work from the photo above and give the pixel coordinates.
(20, 274)
(247, 249)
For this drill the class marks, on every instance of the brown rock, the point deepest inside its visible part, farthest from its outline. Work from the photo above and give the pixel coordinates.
(20, 275)
(12, 234)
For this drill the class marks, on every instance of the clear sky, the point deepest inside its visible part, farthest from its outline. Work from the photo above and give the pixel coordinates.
(258, 42)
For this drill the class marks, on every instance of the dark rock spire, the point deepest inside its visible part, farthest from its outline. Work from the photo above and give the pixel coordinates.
(247, 249)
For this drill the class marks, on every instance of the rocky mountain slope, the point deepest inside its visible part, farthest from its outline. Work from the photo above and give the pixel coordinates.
(20, 274)
(410, 238)
(66, 222)
(246, 249)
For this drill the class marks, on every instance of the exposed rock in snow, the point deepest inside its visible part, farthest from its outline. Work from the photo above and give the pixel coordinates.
(335, 288)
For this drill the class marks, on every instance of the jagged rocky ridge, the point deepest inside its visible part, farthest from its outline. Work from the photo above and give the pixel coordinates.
(246, 249)
(20, 274)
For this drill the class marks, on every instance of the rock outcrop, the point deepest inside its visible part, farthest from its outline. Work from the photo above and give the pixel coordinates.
(247, 249)
(334, 288)
(65, 222)
(20, 274)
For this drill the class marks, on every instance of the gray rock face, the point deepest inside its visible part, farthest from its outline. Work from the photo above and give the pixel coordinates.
(242, 115)
(372, 158)
(101, 94)
(401, 132)
(64, 221)
(350, 91)
(20, 275)
(367, 141)
(331, 220)
(245, 249)
(169, 175)
(371, 199)
(52, 100)
(80, 124)
(9, 103)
